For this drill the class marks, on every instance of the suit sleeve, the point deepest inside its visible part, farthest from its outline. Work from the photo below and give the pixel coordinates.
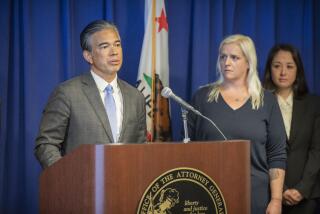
(52, 131)
(276, 146)
(142, 136)
(312, 167)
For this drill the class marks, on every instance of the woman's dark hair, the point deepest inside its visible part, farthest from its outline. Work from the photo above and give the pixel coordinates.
(300, 87)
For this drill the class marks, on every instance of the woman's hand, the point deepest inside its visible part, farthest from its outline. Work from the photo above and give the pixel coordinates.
(274, 206)
(292, 197)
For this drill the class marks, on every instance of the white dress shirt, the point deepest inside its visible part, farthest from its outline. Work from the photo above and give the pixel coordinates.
(117, 96)
(286, 106)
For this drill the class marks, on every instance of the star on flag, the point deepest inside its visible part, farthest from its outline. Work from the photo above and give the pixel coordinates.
(162, 20)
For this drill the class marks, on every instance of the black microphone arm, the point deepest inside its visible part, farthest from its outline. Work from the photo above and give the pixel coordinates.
(167, 93)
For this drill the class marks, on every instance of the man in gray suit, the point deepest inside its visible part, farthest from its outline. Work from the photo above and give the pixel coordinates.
(94, 108)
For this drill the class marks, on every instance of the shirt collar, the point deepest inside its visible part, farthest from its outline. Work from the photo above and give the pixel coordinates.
(102, 84)
(288, 101)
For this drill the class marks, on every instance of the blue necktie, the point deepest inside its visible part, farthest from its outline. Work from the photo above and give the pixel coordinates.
(110, 107)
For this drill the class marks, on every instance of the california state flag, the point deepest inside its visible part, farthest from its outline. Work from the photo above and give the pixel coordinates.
(154, 71)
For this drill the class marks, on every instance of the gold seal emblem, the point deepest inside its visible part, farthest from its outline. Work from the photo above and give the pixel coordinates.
(182, 190)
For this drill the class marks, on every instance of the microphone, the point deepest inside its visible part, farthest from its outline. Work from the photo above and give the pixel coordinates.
(167, 93)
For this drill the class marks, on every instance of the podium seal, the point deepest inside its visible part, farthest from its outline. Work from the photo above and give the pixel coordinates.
(182, 190)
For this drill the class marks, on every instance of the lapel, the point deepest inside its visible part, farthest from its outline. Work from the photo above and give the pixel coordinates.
(125, 98)
(91, 91)
(297, 118)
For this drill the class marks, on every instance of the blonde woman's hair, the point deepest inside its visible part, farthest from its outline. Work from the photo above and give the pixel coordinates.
(254, 85)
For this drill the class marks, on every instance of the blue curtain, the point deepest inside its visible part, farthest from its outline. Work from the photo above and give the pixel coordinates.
(40, 48)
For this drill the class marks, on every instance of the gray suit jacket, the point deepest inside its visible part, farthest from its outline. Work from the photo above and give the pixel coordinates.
(75, 115)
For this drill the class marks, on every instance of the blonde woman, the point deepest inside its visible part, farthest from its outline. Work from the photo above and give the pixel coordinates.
(240, 107)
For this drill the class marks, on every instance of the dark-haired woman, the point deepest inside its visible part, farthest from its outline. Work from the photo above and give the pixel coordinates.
(284, 75)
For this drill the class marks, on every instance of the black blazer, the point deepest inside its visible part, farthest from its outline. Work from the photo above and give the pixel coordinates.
(303, 147)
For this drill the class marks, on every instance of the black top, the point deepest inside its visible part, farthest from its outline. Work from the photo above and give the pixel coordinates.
(263, 127)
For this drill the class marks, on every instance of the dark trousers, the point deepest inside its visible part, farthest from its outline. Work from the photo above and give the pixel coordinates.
(318, 206)
(304, 207)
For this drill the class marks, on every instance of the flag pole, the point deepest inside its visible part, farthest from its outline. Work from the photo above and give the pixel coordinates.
(153, 66)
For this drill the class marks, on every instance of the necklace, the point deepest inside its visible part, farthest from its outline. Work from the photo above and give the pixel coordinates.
(240, 99)
(235, 96)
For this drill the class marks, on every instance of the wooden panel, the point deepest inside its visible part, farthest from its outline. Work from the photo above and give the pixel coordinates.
(227, 163)
(69, 185)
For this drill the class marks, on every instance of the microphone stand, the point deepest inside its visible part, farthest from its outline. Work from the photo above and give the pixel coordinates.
(167, 93)
(184, 113)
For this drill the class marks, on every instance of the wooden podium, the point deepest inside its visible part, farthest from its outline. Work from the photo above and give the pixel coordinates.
(113, 178)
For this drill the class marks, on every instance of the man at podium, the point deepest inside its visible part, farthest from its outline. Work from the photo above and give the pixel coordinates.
(93, 108)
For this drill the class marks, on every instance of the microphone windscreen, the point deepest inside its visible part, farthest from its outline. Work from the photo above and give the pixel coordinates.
(166, 92)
